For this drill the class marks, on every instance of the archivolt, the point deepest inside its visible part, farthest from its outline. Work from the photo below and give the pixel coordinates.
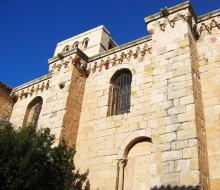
(131, 140)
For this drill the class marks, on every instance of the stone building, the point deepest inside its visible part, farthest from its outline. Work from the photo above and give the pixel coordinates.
(143, 115)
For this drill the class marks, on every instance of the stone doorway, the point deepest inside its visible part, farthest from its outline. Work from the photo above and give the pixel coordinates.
(135, 167)
(137, 170)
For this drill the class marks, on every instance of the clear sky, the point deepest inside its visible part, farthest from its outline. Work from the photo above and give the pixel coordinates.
(30, 29)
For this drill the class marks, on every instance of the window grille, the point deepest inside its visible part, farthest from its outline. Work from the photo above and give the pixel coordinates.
(120, 92)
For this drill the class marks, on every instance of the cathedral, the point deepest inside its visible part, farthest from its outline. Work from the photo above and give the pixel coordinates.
(144, 115)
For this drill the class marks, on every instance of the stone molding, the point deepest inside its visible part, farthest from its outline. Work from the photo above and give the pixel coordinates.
(208, 26)
(169, 11)
(144, 133)
(119, 58)
(34, 89)
(64, 60)
(170, 20)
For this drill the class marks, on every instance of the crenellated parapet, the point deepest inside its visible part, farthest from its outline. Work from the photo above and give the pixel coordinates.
(124, 55)
(31, 88)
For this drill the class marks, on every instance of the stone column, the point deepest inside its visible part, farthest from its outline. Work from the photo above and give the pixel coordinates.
(121, 165)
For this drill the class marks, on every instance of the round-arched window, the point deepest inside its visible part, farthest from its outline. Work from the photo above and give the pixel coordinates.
(33, 112)
(85, 43)
(66, 48)
(120, 92)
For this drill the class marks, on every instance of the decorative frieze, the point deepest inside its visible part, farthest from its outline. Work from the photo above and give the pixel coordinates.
(119, 58)
(40, 87)
(169, 20)
(208, 26)
(172, 19)
(65, 61)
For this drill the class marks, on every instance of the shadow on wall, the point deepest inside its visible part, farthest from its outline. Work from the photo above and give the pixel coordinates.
(183, 187)
(83, 183)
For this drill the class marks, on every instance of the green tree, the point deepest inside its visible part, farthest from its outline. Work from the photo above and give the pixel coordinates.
(28, 160)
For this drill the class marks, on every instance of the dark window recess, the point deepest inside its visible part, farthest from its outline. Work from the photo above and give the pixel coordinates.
(120, 92)
(33, 112)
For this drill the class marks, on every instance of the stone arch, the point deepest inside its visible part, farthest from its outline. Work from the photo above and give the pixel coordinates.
(33, 111)
(76, 45)
(66, 48)
(127, 177)
(120, 92)
(134, 142)
(131, 140)
(120, 67)
(85, 43)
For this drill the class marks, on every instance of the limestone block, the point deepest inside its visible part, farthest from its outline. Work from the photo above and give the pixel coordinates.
(171, 179)
(179, 144)
(182, 165)
(165, 167)
(156, 156)
(186, 134)
(190, 152)
(176, 110)
(169, 137)
(187, 100)
(157, 98)
(172, 155)
(189, 178)
(155, 181)
(186, 116)
(194, 163)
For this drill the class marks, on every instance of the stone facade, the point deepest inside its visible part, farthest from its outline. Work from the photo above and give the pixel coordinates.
(6, 102)
(170, 138)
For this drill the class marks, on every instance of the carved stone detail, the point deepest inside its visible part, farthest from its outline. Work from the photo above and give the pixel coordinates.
(30, 90)
(171, 20)
(208, 26)
(162, 23)
(119, 58)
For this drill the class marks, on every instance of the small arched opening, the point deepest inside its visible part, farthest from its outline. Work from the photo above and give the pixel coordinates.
(33, 112)
(85, 43)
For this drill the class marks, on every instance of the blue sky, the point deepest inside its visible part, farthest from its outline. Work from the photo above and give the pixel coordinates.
(30, 29)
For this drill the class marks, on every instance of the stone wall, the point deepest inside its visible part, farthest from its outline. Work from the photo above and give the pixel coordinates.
(6, 102)
(209, 62)
(62, 93)
(163, 108)
(171, 137)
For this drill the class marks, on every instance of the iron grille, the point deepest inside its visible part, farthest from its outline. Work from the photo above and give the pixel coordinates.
(120, 92)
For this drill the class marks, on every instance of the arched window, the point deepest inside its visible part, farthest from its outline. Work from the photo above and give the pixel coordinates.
(76, 45)
(120, 92)
(66, 48)
(85, 43)
(33, 112)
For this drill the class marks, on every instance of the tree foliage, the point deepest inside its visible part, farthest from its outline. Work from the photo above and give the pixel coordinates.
(28, 160)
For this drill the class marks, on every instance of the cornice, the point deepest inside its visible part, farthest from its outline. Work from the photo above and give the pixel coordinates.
(31, 83)
(209, 15)
(120, 48)
(171, 10)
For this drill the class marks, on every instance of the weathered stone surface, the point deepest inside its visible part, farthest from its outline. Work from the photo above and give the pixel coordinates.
(170, 135)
